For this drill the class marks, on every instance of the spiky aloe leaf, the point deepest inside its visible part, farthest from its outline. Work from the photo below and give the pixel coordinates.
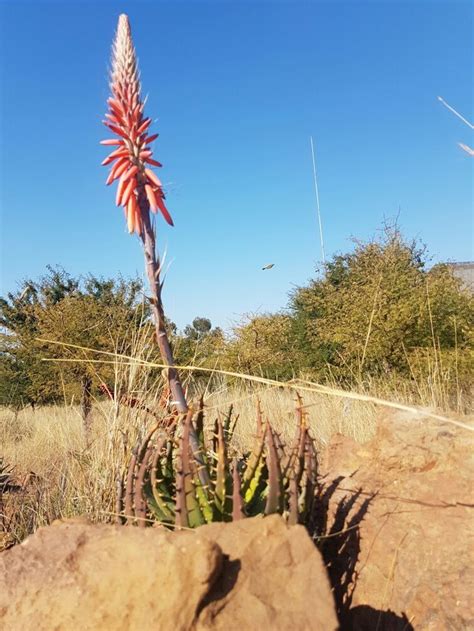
(168, 470)
(199, 425)
(200, 458)
(287, 470)
(139, 500)
(130, 487)
(202, 493)
(237, 503)
(233, 426)
(254, 463)
(309, 480)
(281, 449)
(229, 424)
(214, 437)
(198, 461)
(222, 477)
(275, 491)
(256, 492)
(298, 466)
(155, 510)
(159, 492)
(194, 514)
(181, 510)
(255, 476)
(228, 418)
(293, 501)
(256, 496)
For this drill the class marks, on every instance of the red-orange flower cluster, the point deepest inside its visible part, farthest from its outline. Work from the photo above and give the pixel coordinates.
(139, 189)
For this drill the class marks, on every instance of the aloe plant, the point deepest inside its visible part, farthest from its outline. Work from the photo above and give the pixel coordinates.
(164, 482)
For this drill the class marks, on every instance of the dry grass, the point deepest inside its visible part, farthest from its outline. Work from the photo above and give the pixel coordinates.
(75, 474)
(72, 477)
(326, 415)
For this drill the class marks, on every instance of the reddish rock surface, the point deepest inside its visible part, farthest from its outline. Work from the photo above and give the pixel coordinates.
(256, 574)
(275, 579)
(404, 502)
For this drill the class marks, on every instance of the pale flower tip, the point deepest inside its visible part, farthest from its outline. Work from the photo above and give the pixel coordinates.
(124, 21)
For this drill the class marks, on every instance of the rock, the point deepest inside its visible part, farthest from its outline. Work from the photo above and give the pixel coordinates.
(252, 575)
(78, 576)
(403, 507)
(274, 579)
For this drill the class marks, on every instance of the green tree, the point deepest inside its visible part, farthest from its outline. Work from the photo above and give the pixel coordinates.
(378, 306)
(199, 343)
(91, 312)
(264, 345)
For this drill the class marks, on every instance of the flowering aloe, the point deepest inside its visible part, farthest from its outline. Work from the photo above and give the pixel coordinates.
(139, 190)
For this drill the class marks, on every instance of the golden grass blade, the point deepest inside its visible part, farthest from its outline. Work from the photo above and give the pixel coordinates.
(294, 384)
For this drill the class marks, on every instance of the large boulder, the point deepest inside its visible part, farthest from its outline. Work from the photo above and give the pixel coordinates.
(273, 578)
(400, 519)
(78, 576)
(253, 574)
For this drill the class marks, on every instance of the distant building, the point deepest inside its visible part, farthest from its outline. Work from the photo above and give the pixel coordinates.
(464, 271)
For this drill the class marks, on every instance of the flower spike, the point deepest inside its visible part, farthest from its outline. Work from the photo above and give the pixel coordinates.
(139, 189)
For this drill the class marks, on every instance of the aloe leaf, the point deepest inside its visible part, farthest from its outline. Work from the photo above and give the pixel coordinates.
(237, 503)
(199, 454)
(273, 503)
(160, 487)
(155, 510)
(227, 420)
(290, 462)
(139, 499)
(254, 461)
(168, 470)
(256, 485)
(181, 511)
(280, 448)
(293, 502)
(310, 480)
(132, 492)
(199, 424)
(258, 493)
(193, 510)
(233, 426)
(221, 470)
(202, 493)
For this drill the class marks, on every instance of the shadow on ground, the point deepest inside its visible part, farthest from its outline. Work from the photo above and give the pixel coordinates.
(339, 544)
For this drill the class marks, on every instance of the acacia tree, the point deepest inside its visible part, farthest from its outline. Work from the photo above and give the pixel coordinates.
(92, 312)
(199, 344)
(377, 306)
(263, 344)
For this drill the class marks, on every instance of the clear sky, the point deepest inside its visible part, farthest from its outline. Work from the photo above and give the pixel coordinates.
(237, 88)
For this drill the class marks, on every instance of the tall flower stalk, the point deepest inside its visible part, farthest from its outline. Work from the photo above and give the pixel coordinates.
(139, 189)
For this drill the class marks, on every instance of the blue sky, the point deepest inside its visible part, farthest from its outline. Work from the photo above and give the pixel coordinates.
(237, 88)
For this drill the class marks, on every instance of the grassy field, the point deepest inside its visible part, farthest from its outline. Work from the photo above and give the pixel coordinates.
(60, 472)
(64, 474)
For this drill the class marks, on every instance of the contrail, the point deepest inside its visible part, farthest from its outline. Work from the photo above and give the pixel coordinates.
(317, 201)
(451, 109)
